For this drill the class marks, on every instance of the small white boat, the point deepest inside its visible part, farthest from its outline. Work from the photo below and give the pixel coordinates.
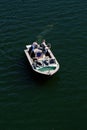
(42, 63)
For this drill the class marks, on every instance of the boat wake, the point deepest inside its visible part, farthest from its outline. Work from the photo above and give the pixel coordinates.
(47, 29)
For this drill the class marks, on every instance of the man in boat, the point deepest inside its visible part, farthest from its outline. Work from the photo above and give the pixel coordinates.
(31, 50)
(43, 44)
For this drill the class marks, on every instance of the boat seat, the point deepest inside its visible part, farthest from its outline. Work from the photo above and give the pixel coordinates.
(46, 62)
(52, 61)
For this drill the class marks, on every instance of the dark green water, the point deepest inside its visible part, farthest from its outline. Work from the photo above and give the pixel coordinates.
(31, 102)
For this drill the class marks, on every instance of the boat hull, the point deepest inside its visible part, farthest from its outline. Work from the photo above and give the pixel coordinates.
(44, 69)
